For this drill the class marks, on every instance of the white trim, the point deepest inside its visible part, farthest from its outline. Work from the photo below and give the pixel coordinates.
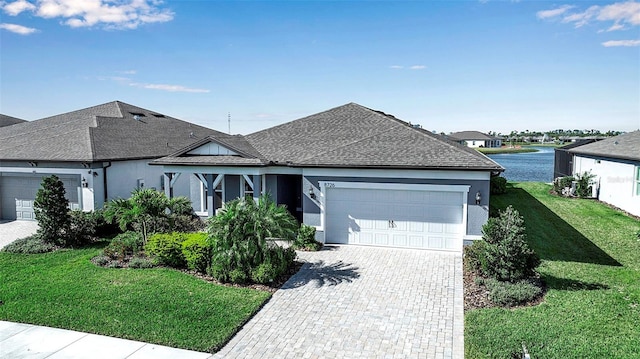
(46, 170)
(247, 180)
(398, 173)
(461, 174)
(472, 237)
(396, 186)
(216, 182)
(233, 170)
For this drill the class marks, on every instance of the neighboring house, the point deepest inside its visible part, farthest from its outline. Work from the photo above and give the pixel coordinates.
(616, 163)
(100, 153)
(475, 139)
(563, 159)
(358, 175)
(8, 120)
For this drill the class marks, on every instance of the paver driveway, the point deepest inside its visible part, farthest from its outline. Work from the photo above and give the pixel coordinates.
(361, 302)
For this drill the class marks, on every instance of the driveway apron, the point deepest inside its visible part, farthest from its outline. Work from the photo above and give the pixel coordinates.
(361, 302)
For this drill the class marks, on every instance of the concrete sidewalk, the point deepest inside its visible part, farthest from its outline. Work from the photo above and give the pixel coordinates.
(21, 341)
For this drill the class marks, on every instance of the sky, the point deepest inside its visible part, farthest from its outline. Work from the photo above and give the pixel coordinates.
(446, 65)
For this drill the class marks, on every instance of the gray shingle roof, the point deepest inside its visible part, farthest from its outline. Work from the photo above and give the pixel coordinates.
(625, 146)
(471, 135)
(8, 120)
(111, 131)
(354, 136)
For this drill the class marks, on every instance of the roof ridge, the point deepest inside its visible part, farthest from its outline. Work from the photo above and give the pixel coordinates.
(375, 113)
(434, 136)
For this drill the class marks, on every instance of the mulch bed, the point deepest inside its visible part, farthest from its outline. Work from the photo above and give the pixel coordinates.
(477, 296)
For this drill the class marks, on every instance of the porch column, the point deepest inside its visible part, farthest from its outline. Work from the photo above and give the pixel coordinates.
(211, 191)
(168, 189)
(257, 187)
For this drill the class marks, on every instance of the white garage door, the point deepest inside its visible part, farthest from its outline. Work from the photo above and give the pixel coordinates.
(427, 219)
(17, 194)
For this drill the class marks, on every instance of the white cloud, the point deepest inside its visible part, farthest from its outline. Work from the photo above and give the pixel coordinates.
(418, 67)
(622, 14)
(627, 12)
(18, 29)
(109, 14)
(170, 88)
(617, 43)
(396, 67)
(545, 14)
(17, 7)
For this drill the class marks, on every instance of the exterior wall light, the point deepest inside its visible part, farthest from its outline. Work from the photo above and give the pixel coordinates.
(311, 193)
(84, 183)
(478, 197)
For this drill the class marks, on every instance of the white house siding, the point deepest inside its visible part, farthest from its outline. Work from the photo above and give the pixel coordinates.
(616, 181)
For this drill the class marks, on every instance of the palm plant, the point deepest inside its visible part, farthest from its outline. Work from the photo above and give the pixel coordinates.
(147, 210)
(242, 236)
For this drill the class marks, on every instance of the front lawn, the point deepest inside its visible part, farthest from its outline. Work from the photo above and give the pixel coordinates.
(162, 306)
(591, 265)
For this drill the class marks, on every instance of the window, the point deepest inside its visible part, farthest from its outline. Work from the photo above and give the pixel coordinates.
(637, 180)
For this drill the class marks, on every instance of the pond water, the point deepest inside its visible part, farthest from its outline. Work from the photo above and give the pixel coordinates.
(527, 167)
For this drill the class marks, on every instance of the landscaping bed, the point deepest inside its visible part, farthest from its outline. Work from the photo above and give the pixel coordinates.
(591, 268)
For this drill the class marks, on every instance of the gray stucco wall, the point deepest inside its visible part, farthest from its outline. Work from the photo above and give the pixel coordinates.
(477, 214)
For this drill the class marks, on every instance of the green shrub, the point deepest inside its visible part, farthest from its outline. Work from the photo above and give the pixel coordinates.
(149, 211)
(197, 252)
(510, 294)
(82, 227)
(474, 255)
(29, 245)
(219, 272)
(167, 247)
(101, 260)
(238, 276)
(583, 185)
(103, 227)
(51, 209)
(306, 239)
(123, 245)
(187, 223)
(507, 257)
(498, 185)
(114, 264)
(242, 237)
(560, 183)
(140, 262)
(264, 273)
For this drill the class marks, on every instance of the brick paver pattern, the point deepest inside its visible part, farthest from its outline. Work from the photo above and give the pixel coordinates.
(361, 302)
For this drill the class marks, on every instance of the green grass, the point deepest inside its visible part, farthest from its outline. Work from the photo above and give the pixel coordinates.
(162, 306)
(591, 264)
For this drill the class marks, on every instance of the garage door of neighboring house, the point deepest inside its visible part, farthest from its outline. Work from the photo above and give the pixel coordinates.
(17, 194)
(426, 217)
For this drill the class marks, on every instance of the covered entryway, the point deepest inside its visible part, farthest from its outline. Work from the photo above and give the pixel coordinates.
(395, 215)
(18, 192)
